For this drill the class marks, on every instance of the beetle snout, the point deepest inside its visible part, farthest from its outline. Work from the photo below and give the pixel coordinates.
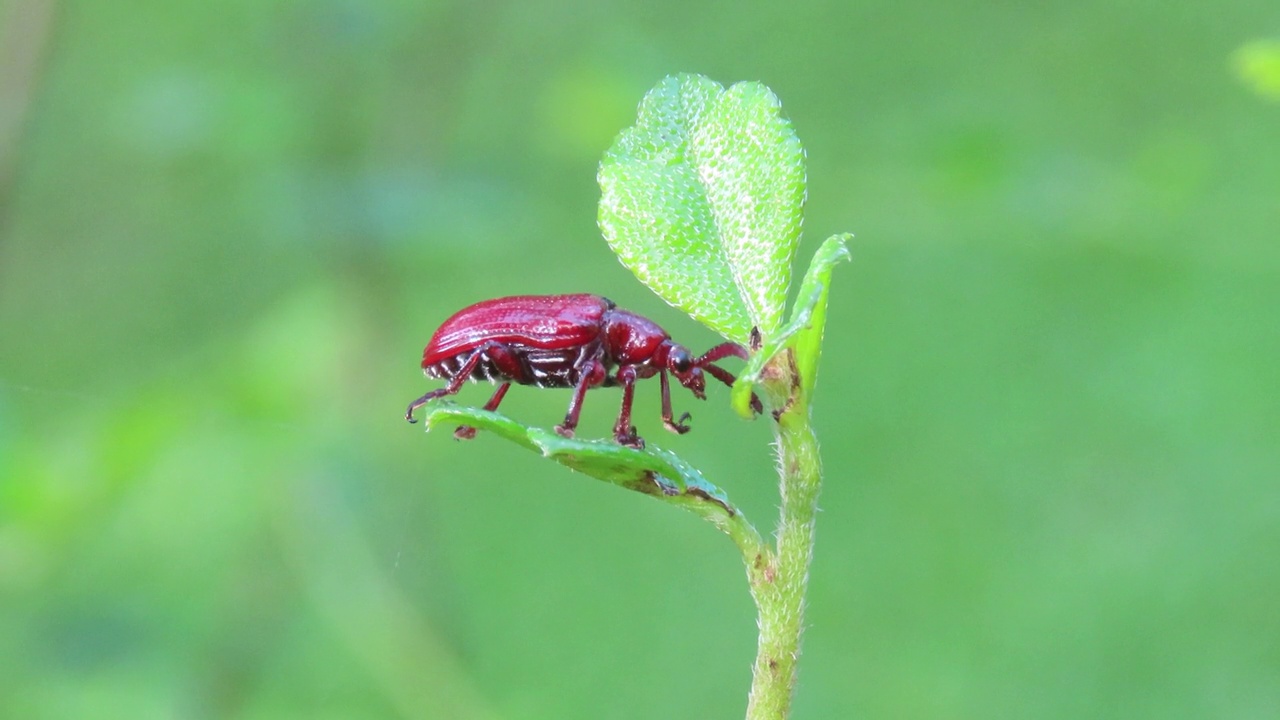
(694, 380)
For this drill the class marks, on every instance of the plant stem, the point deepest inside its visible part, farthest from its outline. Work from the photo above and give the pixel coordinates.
(779, 578)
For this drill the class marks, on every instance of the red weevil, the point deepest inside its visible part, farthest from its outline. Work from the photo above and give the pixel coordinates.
(566, 341)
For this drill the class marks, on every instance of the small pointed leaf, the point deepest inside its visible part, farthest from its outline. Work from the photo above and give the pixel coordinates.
(816, 286)
(803, 330)
(702, 199)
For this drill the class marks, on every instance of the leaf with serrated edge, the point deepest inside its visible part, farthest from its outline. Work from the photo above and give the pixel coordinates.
(703, 200)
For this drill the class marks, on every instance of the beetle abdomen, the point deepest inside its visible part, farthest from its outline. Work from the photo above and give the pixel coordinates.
(540, 367)
(553, 368)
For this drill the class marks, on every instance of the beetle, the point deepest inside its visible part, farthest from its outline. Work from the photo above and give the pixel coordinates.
(576, 341)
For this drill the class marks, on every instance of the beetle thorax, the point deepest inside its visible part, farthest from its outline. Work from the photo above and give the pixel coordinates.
(630, 339)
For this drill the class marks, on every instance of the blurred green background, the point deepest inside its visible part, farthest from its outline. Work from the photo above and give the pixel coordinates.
(1050, 404)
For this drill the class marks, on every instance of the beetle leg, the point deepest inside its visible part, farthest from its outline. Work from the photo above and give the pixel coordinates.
(466, 432)
(408, 415)
(623, 432)
(592, 373)
(675, 426)
(455, 384)
(496, 352)
(497, 397)
(728, 378)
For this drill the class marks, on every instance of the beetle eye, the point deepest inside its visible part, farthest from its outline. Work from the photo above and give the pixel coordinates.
(680, 360)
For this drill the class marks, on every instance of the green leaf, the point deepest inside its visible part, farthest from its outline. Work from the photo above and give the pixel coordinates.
(703, 198)
(803, 330)
(817, 283)
(652, 471)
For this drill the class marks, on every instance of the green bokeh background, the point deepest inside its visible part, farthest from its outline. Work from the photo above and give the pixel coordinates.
(1049, 405)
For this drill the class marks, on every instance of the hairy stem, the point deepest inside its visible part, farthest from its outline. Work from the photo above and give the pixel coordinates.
(778, 579)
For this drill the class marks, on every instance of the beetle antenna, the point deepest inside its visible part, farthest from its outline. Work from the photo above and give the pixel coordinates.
(723, 350)
(729, 378)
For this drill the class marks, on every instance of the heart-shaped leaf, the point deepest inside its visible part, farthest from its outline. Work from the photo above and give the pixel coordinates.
(703, 199)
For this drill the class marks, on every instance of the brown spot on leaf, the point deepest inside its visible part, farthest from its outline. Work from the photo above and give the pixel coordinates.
(700, 493)
(649, 484)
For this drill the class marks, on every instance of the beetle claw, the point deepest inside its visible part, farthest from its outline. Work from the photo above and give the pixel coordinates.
(677, 426)
(630, 439)
(565, 432)
(756, 406)
(465, 432)
(408, 414)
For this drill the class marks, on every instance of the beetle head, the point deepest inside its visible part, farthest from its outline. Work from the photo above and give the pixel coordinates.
(686, 370)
